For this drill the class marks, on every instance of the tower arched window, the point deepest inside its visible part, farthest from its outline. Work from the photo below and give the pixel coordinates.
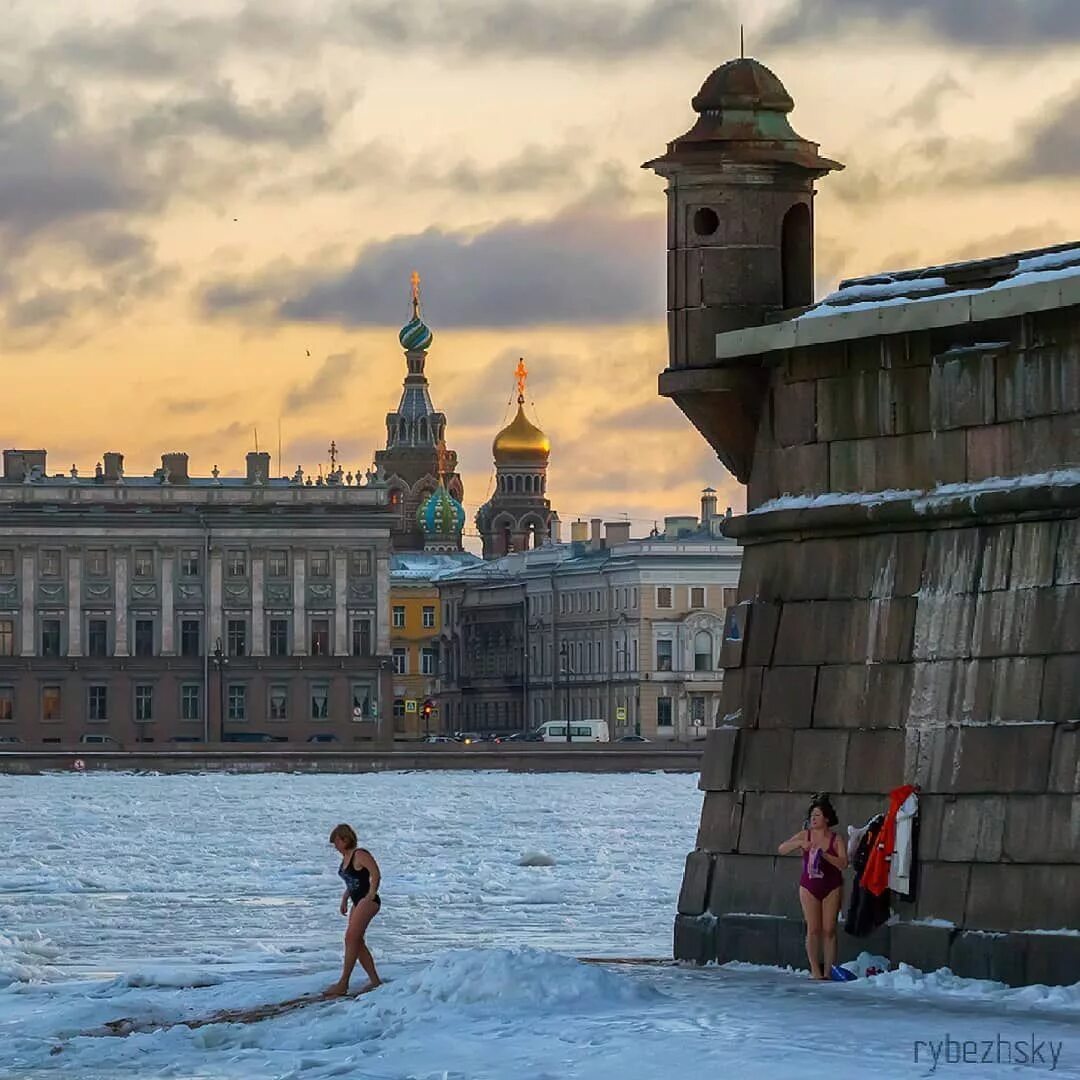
(703, 651)
(403, 430)
(421, 430)
(797, 257)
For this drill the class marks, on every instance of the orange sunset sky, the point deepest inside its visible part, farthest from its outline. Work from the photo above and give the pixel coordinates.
(195, 197)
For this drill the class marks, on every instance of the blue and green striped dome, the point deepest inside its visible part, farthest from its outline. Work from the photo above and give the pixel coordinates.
(415, 335)
(440, 514)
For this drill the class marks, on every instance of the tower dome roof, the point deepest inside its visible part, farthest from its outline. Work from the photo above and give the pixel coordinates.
(415, 335)
(744, 83)
(440, 514)
(521, 440)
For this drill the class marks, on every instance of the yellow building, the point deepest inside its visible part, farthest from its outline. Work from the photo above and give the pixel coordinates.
(416, 621)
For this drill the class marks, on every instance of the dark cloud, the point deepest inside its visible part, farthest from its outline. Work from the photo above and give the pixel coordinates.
(298, 121)
(1006, 25)
(324, 384)
(924, 108)
(187, 406)
(1019, 239)
(587, 264)
(1048, 145)
(564, 29)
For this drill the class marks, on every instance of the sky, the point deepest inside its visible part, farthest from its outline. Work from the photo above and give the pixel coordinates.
(209, 211)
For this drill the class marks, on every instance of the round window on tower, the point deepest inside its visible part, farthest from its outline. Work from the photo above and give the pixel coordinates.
(706, 221)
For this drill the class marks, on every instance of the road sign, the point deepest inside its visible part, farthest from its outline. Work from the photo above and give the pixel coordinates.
(620, 713)
(410, 705)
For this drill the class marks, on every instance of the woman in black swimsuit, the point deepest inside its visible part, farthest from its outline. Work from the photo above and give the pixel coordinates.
(360, 872)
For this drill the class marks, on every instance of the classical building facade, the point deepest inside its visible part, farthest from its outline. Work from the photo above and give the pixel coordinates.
(910, 593)
(518, 516)
(604, 627)
(177, 608)
(415, 438)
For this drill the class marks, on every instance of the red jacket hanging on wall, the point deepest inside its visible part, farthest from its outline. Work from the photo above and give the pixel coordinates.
(875, 878)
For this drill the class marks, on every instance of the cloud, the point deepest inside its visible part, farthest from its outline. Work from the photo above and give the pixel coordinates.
(923, 109)
(1005, 25)
(563, 29)
(1049, 145)
(323, 386)
(299, 121)
(586, 264)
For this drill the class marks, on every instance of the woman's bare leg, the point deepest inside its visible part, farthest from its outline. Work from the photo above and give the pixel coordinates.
(830, 912)
(811, 907)
(356, 949)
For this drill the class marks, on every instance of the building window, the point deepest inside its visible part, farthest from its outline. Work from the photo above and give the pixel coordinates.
(663, 596)
(279, 703)
(320, 701)
(401, 662)
(663, 712)
(703, 651)
(399, 715)
(7, 637)
(697, 596)
(144, 563)
(360, 563)
(446, 613)
(7, 562)
(144, 637)
(190, 645)
(7, 703)
(361, 637)
(319, 564)
(320, 637)
(237, 637)
(238, 701)
(398, 619)
(190, 701)
(428, 661)
(663, 655)
(697, 709)
(97, 703)
(362, 707)
(144, 703)
(277, 564)
(97, 637)
(731, 597)
(97, 563)
(279, 637)
(50, 563)
(189, 562)
(50, 637)
(429, 617)
(237, 564)
(50, 703)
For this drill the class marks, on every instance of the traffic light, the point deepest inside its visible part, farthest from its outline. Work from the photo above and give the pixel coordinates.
(427, 709)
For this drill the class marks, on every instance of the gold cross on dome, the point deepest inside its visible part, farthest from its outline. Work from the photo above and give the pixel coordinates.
(521, 373)
(333, 452)
(414, 282)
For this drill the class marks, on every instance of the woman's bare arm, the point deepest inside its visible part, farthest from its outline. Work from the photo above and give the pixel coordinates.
(797, 843)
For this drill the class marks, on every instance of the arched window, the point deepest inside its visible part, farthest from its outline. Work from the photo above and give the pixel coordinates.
(507, 543)
(403, 430)
(797, 257)
(528, 485)
(422, 430)
(703, 651)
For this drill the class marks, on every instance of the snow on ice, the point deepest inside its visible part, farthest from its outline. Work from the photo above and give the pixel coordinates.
(161, 899)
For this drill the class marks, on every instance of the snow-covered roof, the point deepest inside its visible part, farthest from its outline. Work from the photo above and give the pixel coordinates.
(899, 301)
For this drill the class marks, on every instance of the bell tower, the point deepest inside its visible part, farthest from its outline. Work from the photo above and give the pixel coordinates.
(740, 193)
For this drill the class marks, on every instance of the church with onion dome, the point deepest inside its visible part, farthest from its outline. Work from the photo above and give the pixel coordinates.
(415, 463)
(518, 516)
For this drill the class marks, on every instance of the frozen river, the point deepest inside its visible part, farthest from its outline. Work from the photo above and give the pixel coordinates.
(164, 897)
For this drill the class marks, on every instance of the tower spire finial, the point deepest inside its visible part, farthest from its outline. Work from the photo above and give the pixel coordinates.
(414, 281)
(521, 373)
(742, 43)
(442, 457)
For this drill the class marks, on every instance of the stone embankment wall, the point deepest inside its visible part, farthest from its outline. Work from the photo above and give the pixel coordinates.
(926, 634)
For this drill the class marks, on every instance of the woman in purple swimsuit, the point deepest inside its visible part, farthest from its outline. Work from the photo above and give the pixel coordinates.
(821, 887)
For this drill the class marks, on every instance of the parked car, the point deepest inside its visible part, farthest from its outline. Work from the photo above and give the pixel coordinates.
(467, 737)
(185, 738)
(99, 739)
(10, 739)
(632, 738)
(323, 736)
(439, 739)
(252, 736)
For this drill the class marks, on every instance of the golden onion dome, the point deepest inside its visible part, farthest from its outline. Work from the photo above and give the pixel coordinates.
(521, 440)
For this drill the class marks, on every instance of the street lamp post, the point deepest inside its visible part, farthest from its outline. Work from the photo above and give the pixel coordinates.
(221, 661)
(566, 670)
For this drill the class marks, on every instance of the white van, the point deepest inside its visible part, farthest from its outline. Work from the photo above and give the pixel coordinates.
(580, 731)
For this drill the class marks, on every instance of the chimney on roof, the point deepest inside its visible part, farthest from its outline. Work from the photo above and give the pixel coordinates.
(175, 467)
(19, 464)
(596, 539)
(258, 467)
(616, 532)
(114, 465)
(708, 507)
(579, 531)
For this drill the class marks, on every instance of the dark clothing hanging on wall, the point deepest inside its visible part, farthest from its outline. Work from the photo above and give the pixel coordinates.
(866, 912)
